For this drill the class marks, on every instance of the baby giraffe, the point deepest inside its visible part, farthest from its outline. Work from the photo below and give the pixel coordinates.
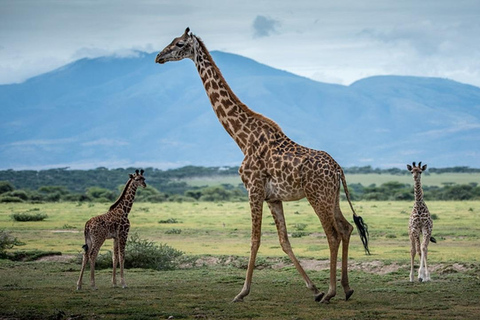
(113, 224)
(420, 223)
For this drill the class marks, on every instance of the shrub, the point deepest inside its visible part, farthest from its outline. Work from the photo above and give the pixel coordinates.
(9, 199)
(7, 241)
(141, 253)
(25, 216)
(173, 231)
(300, 226)
(6, 186)
(169, 220)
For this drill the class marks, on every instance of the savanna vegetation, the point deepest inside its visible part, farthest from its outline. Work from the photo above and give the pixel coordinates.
(190, 239)
(220, 184)
(210, 242)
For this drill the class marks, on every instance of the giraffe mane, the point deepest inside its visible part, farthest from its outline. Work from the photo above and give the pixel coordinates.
(129, 182)
(242, 106)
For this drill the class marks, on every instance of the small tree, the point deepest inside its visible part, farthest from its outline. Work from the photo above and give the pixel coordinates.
(6, 186)
(7, 241)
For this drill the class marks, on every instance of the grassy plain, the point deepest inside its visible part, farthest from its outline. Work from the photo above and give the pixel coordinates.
(224, 228)
(210, 231)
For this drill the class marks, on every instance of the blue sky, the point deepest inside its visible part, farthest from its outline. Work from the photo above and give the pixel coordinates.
(331, 41)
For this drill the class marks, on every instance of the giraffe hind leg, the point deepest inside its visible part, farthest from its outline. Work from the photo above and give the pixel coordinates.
(345, 229)
(327, 217)
(84, 264)
(276, 209)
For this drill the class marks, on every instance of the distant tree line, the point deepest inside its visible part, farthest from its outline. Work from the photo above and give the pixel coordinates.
(394, 190)
(398, 171)
(104, 185)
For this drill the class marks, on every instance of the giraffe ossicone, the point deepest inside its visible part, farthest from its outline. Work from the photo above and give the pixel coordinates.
(113, 224)
(275, 169)
(420, 223)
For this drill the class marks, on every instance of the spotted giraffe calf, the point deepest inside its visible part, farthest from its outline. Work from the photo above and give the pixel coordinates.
(420, 223)
(113, 224)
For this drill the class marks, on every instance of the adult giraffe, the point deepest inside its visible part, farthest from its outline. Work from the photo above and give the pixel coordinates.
(275, 169)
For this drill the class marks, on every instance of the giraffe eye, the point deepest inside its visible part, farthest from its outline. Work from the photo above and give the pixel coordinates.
(180, 44)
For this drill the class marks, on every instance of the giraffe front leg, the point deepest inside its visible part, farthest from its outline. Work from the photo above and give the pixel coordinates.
(115, 262)
(256, 211)
(423, 272)
(121, 258)
(412, 259)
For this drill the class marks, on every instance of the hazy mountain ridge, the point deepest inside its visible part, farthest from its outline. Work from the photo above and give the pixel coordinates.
(118, 112)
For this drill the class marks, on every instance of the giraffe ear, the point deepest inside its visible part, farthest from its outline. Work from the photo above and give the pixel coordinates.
(424, 168)
(409, 167)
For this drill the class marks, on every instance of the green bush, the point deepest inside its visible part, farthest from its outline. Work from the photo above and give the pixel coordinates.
(173, 231)
(25, 216)
(9, 199)
(141, 253)
(7, 241)
(6, 186)
(169, 220)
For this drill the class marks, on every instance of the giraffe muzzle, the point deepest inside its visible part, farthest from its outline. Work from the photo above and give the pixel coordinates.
(158, 59)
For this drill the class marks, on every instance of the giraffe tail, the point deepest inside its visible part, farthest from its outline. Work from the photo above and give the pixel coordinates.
(362, 227)
(86, 233)
(433, 239)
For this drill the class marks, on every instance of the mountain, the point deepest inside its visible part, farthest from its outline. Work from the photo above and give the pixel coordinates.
(119, 112)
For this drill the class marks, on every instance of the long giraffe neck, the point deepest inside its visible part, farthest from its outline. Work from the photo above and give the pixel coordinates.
(418, 191)
(125, 200)
(237, 119)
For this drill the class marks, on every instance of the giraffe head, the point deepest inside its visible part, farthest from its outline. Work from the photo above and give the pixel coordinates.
(180, 48)
(138, 179)
(416, 170)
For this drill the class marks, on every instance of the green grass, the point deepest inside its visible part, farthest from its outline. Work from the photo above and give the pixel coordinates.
(224, 228)
(30, 290)
(41, 290)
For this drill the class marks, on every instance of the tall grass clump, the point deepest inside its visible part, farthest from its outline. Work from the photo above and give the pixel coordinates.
(141, 253)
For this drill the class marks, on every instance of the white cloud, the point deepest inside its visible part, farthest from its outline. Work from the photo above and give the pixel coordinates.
(42, 142)
(105, 142)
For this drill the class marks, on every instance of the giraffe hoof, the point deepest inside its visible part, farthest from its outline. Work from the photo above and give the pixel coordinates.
(420, 279)
(237, 300)
(325, 301)
(319, 296)
(348, 294)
